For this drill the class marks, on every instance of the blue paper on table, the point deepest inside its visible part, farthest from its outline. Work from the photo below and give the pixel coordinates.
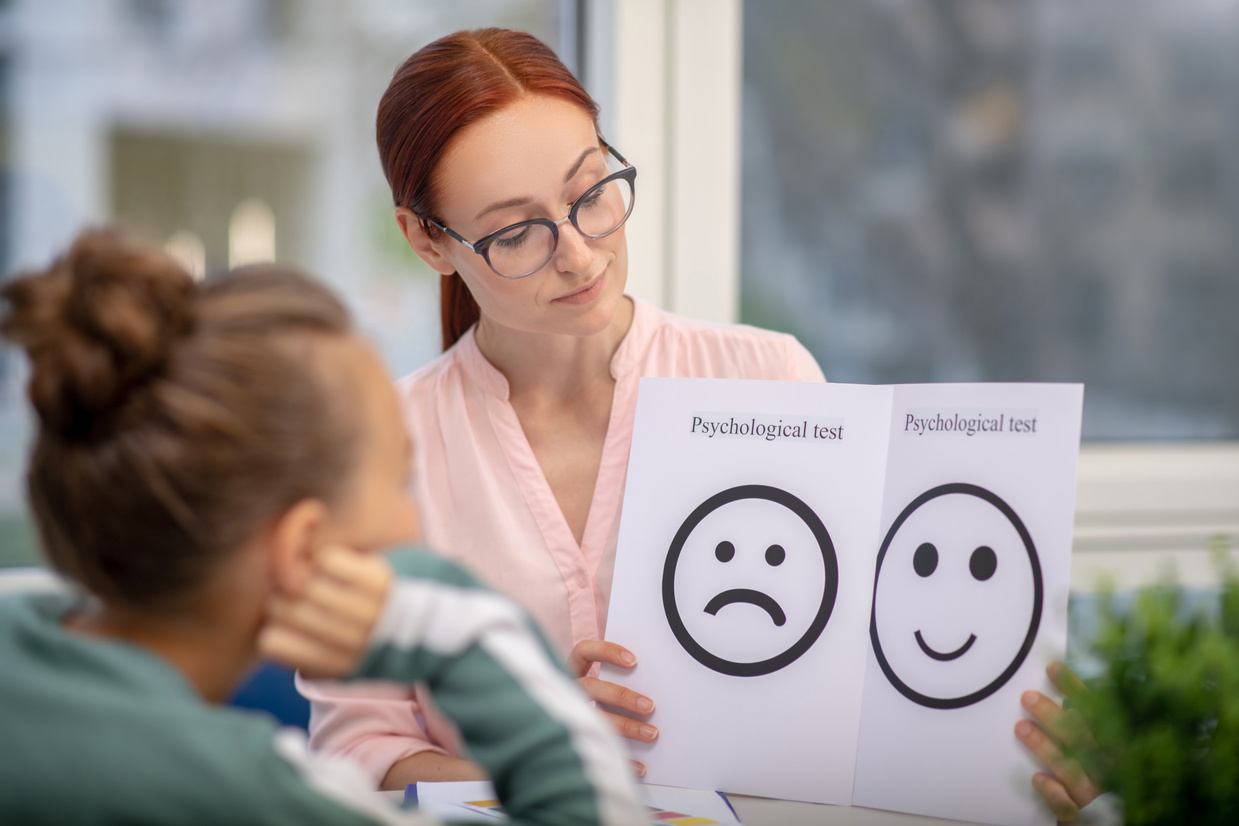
(475, 801)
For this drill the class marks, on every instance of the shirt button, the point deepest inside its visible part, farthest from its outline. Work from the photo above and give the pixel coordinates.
(581, 580)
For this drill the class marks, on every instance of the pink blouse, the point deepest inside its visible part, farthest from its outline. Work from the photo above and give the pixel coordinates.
(484, 501)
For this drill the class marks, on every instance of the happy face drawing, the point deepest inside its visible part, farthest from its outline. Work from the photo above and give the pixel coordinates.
(750, 581)
(957, 598)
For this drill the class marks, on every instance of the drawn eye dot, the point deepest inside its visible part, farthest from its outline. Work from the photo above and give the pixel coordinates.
(725, 551)
(983, 563)
(775, 555)
(925, 560)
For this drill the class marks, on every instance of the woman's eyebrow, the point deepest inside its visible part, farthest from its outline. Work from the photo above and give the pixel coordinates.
(511, 202)
(576, 167)
(515, 202)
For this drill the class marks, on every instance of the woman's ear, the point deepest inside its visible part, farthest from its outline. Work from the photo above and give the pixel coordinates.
(427, 248)
(294, 541)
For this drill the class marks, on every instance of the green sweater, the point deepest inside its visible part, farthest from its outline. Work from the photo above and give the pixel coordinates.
(96, 731)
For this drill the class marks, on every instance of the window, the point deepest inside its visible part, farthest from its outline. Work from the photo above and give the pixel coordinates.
(982, 190)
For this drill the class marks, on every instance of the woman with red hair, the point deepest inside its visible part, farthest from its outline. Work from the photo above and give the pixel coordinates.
(502, 184)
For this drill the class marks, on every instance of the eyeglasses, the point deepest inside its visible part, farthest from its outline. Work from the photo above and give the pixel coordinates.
(524, 248)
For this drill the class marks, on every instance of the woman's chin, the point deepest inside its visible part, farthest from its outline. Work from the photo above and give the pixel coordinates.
(587, 318)
(603, 315)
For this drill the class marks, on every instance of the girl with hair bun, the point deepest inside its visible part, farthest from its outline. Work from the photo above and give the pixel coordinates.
(503, 184)
(198, 474)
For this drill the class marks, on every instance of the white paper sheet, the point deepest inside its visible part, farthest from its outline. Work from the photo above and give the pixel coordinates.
(971, 597)
(475, 801)
(723, 582)
(753, 656)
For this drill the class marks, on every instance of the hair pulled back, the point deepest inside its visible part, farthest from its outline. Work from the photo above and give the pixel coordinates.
(443, 88)
(175, 420)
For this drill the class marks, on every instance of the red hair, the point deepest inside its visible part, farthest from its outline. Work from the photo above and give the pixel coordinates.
(442, 88)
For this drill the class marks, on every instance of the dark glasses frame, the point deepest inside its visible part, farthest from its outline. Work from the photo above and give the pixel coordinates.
(482, 245)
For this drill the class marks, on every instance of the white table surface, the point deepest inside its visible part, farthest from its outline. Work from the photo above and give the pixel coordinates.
(763, 811)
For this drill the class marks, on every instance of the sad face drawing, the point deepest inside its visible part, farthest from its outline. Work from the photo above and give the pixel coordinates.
(750, 581)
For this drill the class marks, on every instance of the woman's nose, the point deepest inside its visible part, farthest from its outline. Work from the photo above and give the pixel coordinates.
(572, 253)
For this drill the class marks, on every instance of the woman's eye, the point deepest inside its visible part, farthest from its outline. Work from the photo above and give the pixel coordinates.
(515, 239)
(593, 197)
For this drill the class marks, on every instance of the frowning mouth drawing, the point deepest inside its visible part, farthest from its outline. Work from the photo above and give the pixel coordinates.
(748, 595)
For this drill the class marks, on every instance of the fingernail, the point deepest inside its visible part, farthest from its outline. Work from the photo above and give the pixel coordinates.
(1028, 699)
(649, 733)
(640, 767)
(645, 705)
(628, 659)
(1023, 728)
(1040, 777)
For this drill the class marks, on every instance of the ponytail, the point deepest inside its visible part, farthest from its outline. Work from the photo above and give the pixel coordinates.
(457, 309)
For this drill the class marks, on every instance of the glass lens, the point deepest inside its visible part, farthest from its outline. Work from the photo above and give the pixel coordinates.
(521, 250)
(602, 209)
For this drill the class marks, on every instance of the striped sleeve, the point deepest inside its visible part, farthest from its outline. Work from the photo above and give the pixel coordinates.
(552, 758)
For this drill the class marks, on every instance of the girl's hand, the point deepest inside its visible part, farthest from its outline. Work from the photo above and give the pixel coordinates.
(1065, 787)
(582, 659)
(325, 629)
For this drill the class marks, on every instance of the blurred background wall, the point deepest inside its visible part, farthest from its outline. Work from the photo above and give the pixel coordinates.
(228, 131)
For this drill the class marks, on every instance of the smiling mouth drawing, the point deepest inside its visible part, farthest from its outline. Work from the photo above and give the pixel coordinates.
(750, 596)
(956, 654)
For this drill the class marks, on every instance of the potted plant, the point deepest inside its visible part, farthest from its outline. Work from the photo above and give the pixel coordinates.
(1160, 714)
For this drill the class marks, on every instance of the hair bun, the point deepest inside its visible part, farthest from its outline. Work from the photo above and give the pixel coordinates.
(98, 325)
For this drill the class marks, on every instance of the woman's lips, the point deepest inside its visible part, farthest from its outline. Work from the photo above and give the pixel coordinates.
(586, 294)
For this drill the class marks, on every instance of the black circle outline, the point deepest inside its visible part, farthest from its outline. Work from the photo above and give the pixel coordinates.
(1009, 672)
(830, 588)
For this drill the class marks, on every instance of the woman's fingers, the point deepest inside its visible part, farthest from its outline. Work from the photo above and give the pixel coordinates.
(615, 695)
(1062, 725)
(1066, 773)
(584, 655)
(1059, 801)
(632, 729)
(1064, 679)
(587, 652)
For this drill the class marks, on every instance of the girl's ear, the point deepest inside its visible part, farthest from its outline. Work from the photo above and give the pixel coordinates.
(428, 249)
(294, 541)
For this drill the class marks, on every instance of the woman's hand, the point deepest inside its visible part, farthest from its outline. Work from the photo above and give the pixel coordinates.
(582, 659)
(1065, 787)
(324, 629)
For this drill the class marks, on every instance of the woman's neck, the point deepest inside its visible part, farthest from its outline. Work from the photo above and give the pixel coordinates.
(554, 366)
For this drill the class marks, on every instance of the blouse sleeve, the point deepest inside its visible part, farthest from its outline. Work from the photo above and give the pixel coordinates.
(376, 726)
(804, 367)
